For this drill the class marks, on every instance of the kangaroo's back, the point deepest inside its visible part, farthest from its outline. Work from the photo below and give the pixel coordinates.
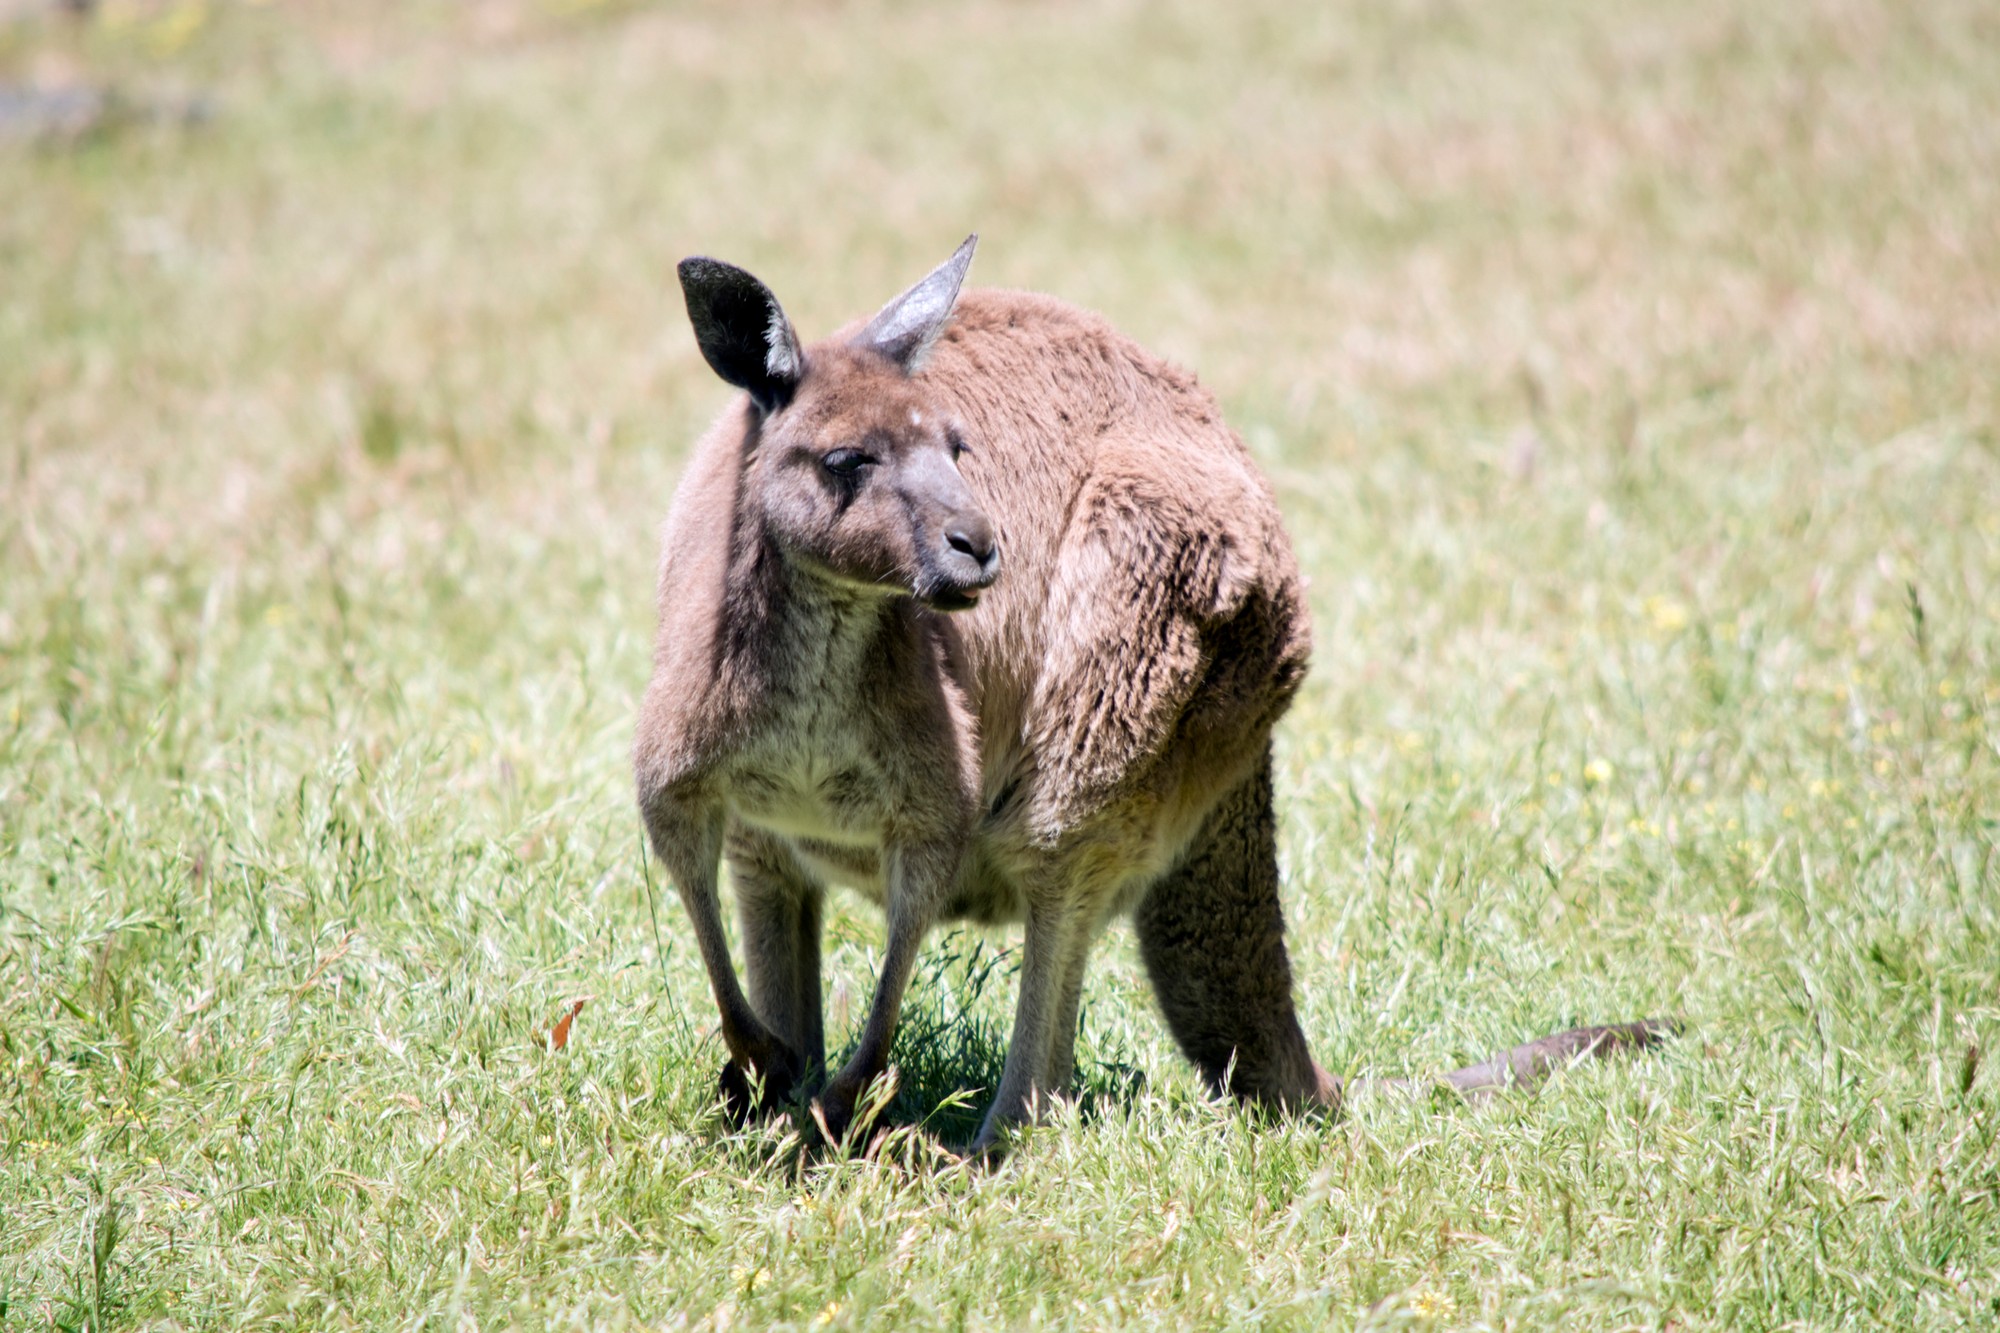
(1151, 625)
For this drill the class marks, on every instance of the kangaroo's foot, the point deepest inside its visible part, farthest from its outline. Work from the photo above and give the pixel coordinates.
(1003, 1124)
(760, 1085)
(1327, 1090)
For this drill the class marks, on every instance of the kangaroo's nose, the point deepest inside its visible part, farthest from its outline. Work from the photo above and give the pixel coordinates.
(970, 535)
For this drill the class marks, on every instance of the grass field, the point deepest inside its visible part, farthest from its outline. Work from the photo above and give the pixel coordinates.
(1630, 375)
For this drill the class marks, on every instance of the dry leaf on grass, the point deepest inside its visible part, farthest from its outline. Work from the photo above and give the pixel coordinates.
(557, 1037)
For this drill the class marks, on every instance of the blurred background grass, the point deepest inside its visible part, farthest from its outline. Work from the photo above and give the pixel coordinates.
(1627, 373)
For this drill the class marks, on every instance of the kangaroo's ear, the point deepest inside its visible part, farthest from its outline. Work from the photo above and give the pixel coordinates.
(742, 331)
(908, 325)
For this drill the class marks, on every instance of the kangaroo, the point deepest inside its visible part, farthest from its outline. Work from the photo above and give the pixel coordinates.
(847, 690)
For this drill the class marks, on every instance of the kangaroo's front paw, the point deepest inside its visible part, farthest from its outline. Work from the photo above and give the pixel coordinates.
(833, 1110)
(763, 1088)
(852, 1102)
(738, 1101)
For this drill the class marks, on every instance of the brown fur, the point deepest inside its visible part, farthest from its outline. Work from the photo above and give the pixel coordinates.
(1087, 736)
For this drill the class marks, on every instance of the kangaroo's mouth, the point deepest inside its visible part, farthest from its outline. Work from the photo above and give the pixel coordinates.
(951, 598)
(950, 590)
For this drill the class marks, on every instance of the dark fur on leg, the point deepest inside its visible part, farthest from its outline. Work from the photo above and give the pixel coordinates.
(1213, 938)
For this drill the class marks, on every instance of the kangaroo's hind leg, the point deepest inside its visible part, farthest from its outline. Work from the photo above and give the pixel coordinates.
(1040, 1054)
(1061, 1068)
(1213, 938)
(779, 908)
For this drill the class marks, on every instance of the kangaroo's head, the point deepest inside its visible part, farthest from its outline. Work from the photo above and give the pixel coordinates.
(850, 464)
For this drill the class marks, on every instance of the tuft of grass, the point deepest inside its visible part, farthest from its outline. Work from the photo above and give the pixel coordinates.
(1626, 376)
(951, 1045)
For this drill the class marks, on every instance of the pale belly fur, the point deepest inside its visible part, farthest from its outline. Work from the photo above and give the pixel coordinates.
(835, 830)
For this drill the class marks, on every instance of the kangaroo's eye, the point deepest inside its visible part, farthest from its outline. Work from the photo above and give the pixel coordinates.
(957, 443)
(845, 463)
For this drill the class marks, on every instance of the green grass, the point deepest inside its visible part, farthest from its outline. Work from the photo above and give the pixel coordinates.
(1628, 375)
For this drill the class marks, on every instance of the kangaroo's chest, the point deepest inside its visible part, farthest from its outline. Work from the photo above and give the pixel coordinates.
(829, 792)
(861, 752)
(817, 778)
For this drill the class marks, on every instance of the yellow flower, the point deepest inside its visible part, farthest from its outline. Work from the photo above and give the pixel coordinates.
(1432, 1304)
(1667, 615)
(181, 23)
(1598, 771)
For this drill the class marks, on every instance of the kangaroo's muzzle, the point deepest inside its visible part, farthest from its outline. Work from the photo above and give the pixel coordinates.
(963, 562)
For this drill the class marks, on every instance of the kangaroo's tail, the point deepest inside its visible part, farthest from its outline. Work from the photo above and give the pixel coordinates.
(1520, 1067)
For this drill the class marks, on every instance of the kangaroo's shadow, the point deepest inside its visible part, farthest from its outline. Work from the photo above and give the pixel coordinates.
(951, 1047)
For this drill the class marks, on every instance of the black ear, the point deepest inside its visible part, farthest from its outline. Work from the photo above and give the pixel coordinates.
(742, 331)
(908, 325)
